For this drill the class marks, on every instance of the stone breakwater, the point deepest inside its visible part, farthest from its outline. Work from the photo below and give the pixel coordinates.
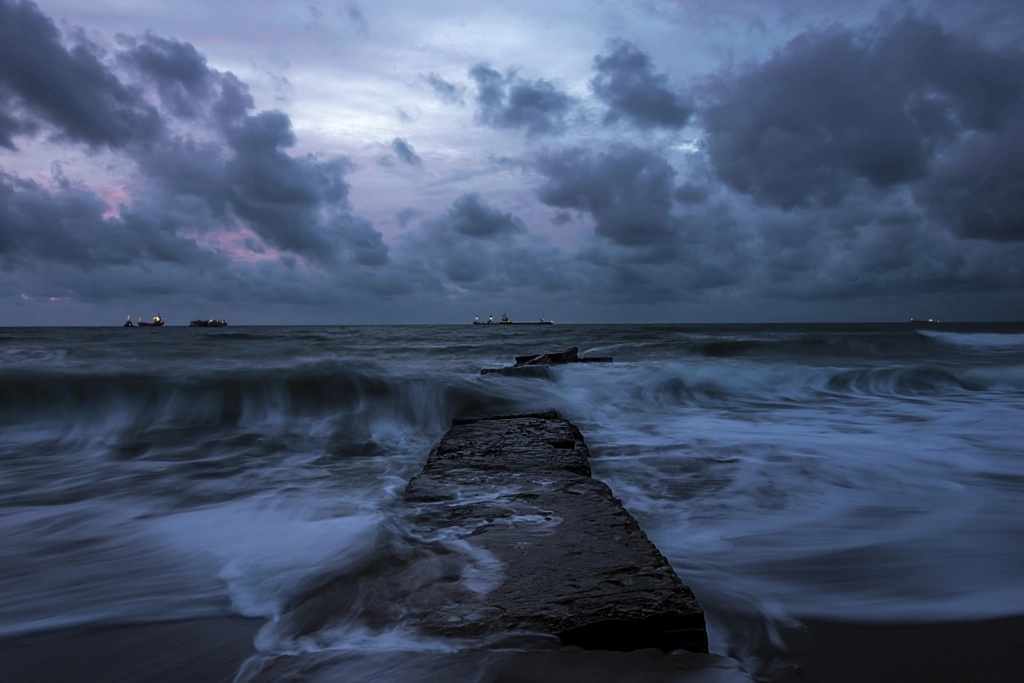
(573, 563)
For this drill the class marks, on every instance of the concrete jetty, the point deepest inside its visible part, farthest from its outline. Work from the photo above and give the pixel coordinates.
(568, 559)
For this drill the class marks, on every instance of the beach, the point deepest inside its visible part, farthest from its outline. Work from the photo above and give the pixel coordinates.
(842, 499)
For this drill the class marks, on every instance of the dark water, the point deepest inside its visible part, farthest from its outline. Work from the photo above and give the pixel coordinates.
(788, 472)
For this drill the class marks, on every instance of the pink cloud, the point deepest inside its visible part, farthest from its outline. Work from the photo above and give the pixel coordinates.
(240, 245)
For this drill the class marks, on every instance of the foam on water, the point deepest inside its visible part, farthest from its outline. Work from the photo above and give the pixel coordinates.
(797, 495)
(848, 472)
(978, 340)
(269, 551)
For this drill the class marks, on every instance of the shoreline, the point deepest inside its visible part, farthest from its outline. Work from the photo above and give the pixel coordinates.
(819, 651)
(194, 650)
(983, 651)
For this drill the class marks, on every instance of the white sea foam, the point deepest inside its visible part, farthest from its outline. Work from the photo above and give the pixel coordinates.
(845, 473)
(269, 550)
(771, 495)
(979, 340)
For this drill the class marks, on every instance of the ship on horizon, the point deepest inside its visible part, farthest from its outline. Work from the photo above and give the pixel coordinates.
(157, 322)
(505, 320)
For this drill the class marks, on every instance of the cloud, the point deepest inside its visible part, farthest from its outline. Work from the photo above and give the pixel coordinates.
(297, 204)
(628, 191)
(408, 214)
(405, 152)
(208, 163)
(838, 107)
(691, 193)
(977, 186)
(68, 227)
(476, 247)
(877, 163)
(561, 218)
(509, 102)
(364, 244)
(11, 125)
(469, 215)
(358, 19)
(62, 243)
(69, 88)
(448, 92)
(178, 70)
(627, 83)
(878, 247)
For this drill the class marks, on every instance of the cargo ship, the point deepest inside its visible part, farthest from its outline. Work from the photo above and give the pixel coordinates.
(505, 320)
(208, 323)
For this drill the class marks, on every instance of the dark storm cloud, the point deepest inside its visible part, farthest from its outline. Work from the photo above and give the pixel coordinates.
(297, 204)
(61, 243)
(448, 92)
(837, 107)
(628, 84)
(405, 152)
(11, 123)
(445, 256)
(283, 198)
(69, 88)
(236, 171)
(69, 227)
(233, 101)
(178, 70)
(875, 249)
(788, 194)
(363, 243)
(691, 193)
(471, 216)
(505, 102)
(627, 190)
(977, 186)
(479, 248)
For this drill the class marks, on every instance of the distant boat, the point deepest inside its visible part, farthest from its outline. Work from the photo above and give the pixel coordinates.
(129, 322)
(208, 323)
(157, 322)
(505, 320)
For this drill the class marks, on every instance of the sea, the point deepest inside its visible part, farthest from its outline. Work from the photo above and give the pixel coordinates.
(788, 472)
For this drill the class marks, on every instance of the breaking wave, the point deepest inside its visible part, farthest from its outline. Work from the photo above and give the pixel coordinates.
(835, 471)
(978, 340)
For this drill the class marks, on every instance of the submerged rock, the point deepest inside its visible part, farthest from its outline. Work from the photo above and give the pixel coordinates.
(563, 557)
(536, 365)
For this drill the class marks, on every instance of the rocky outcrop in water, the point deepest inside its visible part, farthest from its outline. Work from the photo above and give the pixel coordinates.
(536, 365)
(566, 558)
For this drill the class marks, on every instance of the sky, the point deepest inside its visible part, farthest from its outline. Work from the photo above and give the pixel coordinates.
(587, 161)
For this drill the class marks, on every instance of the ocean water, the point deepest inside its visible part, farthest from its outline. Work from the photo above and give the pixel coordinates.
(846, 472)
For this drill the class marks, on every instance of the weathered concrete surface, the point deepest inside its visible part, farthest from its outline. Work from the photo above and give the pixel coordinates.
(536, 365)
(570, 560)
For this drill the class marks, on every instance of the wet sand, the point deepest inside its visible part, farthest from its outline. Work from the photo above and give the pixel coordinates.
(990, 651)
(212, 650)
(197, 651)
